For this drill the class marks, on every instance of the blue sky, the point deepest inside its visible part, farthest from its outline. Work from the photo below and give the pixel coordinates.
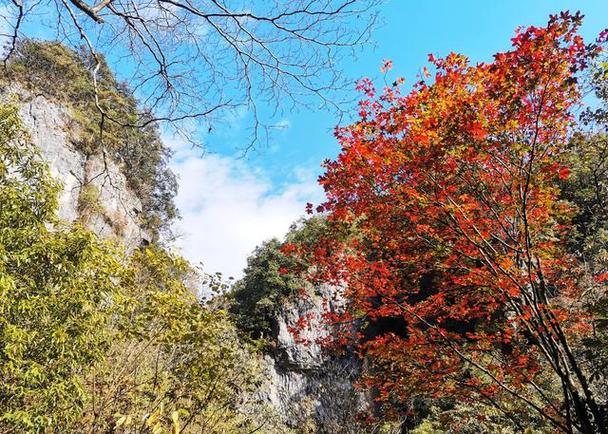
(231, 204)
(411, 31)
(256, 198)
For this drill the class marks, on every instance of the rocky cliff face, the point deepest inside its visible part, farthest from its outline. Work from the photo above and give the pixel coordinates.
(94, 189)
(312, 390)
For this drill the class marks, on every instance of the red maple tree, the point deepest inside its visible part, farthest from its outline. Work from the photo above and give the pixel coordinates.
(456, 270)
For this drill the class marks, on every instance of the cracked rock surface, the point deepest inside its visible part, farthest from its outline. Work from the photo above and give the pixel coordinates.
(116, 208)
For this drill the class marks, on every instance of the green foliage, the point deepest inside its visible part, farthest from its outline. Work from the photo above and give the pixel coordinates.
(587, 186)
(52, 290)
(271, 279)
(94, 341)
(60, 74)
(188, 367)
(27, 194)
(88, 201)
(587, 190)
(307, 232)
(259, 295)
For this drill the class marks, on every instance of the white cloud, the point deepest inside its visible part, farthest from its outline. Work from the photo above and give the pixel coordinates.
(229, 207)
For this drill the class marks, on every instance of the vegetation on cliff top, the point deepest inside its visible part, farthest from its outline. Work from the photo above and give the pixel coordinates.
(272, 281)
(64, 76)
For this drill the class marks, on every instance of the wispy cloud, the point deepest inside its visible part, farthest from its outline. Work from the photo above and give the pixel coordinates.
(228, 207)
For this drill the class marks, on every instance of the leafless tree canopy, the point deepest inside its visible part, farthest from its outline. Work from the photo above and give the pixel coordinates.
(190, 59)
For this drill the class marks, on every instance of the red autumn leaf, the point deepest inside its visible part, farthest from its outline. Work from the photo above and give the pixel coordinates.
(601, 278)
(564, 172)
(455, 271)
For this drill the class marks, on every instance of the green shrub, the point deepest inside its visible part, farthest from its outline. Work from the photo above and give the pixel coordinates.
(586, 189)
(88, 202)
(271, 279)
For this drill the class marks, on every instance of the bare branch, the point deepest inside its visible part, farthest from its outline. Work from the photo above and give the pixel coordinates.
(20, 14)
(188, 59)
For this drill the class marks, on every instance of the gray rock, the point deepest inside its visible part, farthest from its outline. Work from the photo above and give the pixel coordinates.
(312, 390)
(116, 210)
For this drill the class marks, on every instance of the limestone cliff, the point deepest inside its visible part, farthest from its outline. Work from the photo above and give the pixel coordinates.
(95, 190)
(312, 389)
